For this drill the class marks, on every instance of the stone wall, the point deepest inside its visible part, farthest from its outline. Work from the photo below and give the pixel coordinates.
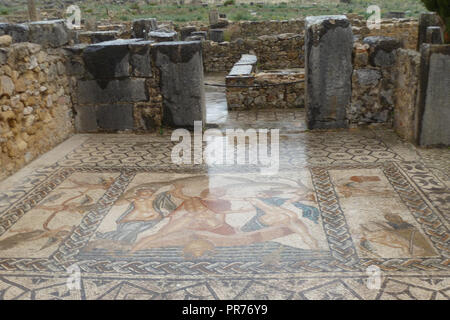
(35, 104)
(255, 29)
(404, 30)
(373, 81)
(274, 52)
(270, 91)
(115, 86)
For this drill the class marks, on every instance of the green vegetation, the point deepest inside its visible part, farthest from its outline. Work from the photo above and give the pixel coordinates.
(442, 8)
(236, 11)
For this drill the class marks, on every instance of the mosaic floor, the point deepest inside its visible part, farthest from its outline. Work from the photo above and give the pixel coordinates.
(352, 214)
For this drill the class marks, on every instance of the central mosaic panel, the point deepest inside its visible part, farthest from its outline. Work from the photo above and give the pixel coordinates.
(177, 217)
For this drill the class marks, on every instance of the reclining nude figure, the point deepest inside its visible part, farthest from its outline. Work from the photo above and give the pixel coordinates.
(203, 218)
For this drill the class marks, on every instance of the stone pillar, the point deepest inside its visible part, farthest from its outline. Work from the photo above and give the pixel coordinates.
(429, 19)
(141, 26)
(433, 111)
(213, 17)
(202, 34)
(182, 88)
(329, 47)
(186, 32)
(434, 35)
(216, 35)
(163, 35)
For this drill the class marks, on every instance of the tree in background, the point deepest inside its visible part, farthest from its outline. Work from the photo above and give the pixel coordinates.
(442, 8)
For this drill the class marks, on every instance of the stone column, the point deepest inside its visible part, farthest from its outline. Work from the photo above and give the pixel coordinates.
(141, 27)
(329, 46)
(434, 35)
(213, 17)
(216, 35)
(433, 111)
(182, 88)
(429, 19)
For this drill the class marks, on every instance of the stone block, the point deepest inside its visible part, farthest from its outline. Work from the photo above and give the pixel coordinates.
(52, 33)
(97, 36)
(182, 88)
(434, 35)
(328, 51)
(18, 32)
(382, 50)
(428, 19)
(163, 35)
(368, 77)
(140, 59)
(107, 60)
(3, 56)
(216, 35)
(213, 17)
(433, 111)
(202, 34)
(186, 32)
(113, 117)
(111, 91)
(141, 27)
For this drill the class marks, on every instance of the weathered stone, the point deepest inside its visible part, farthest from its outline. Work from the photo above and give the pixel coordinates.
(141, 27)
(3, 56)
(97, 36)
(163, 35)
(428, 19)
(6, 86)
(194, 38)
(115, 117)
(111, 91)
(203, 34)
(406, 87)
(221, 24)
(186, 32)
(213, 17)
(181, 67)
(368, 77)
(53, 33)
(434, 35)
(329, 46)
(5, 41)
(107, 62)
(216, 35)
(140, 59)
(18, 32)
(433, 112)
(381, 50)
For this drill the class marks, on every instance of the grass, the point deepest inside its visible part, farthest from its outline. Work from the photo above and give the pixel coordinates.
(236, 11)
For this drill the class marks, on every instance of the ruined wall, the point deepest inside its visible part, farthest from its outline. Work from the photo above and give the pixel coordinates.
(373, 81)
(404, 30)
(274, 52)
(406, 92)
(254, 29)
(115, 87)
(35, 105)
(276, 91)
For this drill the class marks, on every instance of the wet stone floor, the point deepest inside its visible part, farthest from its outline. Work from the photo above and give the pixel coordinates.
(350, 214)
